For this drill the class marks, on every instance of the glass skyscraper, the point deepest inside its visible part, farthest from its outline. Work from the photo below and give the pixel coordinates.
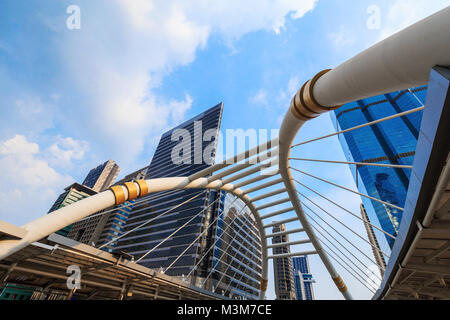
(282, 267)
(102, 177)
(193, 142)
(237, 258)
(302, 278)
(73, 193)
(393, 141)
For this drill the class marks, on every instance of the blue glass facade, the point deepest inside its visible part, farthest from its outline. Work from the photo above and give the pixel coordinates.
(393, 141)
(202, 132)
(303, 279)
(236, 261)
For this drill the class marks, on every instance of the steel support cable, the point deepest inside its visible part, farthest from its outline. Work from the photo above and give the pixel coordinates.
(224, 274)
(354, 274)
(223, 255)
(354, 246)
(339, 206)
(340, 222)
(361, 126)
(415, 96)
(344, 255)
(204, 255)
(385, 165)
(200, 235)
(217, 239)
(152, 219)
(350, 190)
(130, 204)
(231, 281)
(239, 263)
(176, 231)
(228, 245)
(362, 263)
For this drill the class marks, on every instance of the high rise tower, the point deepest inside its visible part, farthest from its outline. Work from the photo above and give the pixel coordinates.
(102, 177)
(393, 141)
(282, 267)
(303, 278)
(182, 151)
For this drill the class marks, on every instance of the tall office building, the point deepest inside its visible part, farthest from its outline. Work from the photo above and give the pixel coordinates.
(393, 141)
(234, 268)
(113, 223)
(97, 180)
(103, 226)
(73, 193)
(102, 177)
(282, 267)
(303, 278)
(182, 151)
(376, 249)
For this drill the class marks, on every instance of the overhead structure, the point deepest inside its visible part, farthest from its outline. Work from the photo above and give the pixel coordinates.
(399, 62)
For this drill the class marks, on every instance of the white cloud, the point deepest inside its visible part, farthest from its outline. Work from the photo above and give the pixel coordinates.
(28, 182)
(404, 13)
(342, 38)
(259, 98)
(147, 40)
(64, 150)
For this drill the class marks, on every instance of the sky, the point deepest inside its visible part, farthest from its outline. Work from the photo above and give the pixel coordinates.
(72, 98)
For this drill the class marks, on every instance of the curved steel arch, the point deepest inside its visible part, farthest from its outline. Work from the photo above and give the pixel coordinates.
(399, 62)
(46, 225)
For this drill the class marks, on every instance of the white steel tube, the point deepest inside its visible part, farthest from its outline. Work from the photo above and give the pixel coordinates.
(401, 61)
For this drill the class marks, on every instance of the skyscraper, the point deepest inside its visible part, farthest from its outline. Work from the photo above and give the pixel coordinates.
(103, 226)
(73, 193)
(235, 264)
(182, 151)
(282, 267)
(97, 180)
(393, 141)
(114, 222)
(303, 278)
(376, 249)
(102, 177)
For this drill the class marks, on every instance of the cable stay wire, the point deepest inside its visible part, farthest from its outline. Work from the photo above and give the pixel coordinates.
(222, 255)
(325, 230)
(339, 206)
(225, 272)
(346, 256)
(343, 224)
(215, 241)
(350, 190)
(354, 274)
(176, 231)
(401, 114)
(199, 236)
(152, 219)
(373, 164)
(130, 204)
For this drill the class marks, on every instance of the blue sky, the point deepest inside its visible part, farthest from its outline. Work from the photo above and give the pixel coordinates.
(71, 99)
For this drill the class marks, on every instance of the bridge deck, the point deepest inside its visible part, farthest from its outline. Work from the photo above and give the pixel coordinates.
(44, 265)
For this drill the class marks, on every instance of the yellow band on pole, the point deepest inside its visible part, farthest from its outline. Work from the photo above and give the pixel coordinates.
(119, 195)
(263, 284)
(132, 190)
(143, 186)
(340, 284)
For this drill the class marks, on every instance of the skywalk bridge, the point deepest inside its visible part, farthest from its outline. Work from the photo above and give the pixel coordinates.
(419, 264)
